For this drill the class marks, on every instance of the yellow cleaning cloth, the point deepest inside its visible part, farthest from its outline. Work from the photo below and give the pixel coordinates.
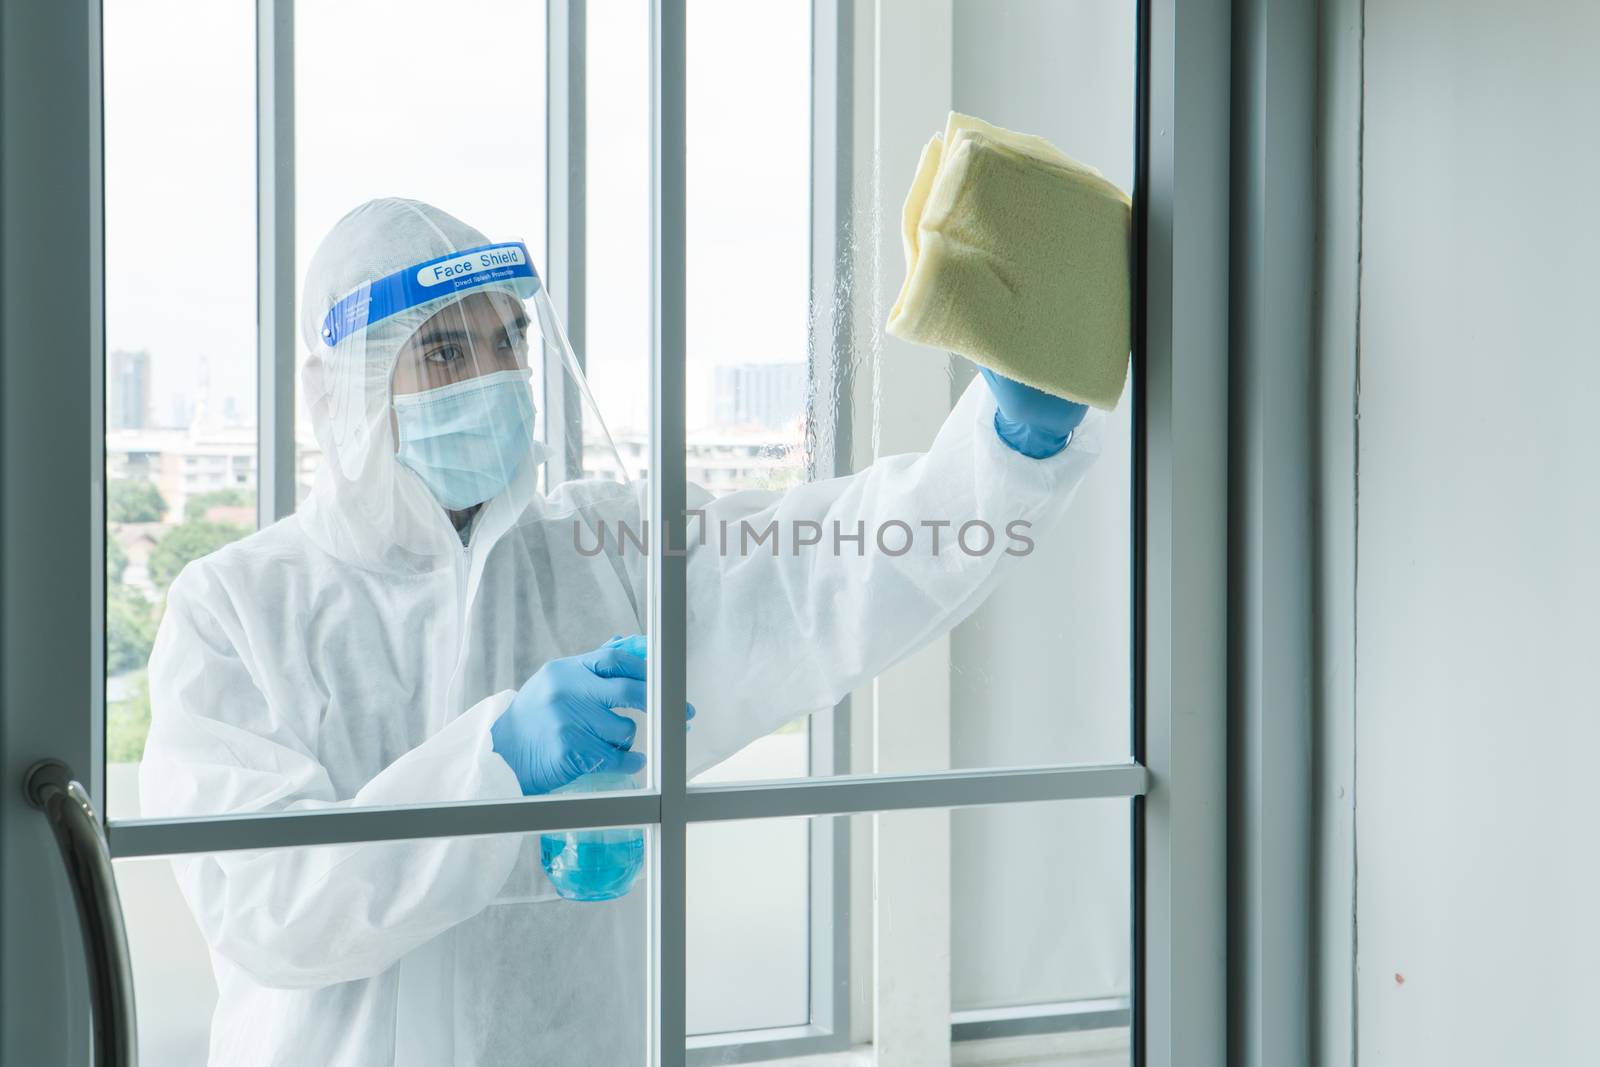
(1017, 257)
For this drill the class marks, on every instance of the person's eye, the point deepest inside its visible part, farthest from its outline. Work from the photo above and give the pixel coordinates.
(445, 355)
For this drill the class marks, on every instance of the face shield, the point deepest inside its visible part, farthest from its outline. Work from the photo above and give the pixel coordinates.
(449, 384)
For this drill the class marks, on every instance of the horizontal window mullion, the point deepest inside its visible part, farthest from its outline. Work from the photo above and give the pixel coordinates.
(164, 837)
(766, 1043)
(1104, 1013)
(844, 795)
(859, 794)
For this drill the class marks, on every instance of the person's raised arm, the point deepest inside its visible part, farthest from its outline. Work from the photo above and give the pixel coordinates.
(795, 599)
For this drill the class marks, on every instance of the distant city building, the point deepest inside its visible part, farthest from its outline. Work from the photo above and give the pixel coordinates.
(201, 452)
(201, 459)
(128, 390)
(759, 394)
(719, 464)
(180, 409)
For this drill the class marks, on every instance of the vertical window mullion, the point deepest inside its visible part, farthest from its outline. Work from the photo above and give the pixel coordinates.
(1138, 519)
(275, 266)
(668, 497)
(1181, 976)
(832, 183)
(566, 221)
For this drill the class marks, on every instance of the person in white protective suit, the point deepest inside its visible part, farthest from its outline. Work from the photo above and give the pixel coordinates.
(435, 623)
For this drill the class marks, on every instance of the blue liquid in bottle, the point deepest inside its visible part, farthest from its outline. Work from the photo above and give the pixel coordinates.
(593, 864)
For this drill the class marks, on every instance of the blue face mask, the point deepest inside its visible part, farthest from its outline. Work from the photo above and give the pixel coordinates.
(466, 440)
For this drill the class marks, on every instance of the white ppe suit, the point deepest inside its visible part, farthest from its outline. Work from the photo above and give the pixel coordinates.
(357, 653)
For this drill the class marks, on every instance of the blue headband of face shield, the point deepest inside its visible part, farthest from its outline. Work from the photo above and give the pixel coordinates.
(445, 276)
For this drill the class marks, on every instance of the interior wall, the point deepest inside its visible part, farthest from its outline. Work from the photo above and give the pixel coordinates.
(1477, 720)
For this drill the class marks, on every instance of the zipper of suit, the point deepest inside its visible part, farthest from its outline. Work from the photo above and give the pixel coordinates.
(454, 695)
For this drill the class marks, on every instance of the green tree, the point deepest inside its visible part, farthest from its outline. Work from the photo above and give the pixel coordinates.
(195, 508)
(127, 724)
(116, 559)
(130, 629)
(132, 500)
(188, 541)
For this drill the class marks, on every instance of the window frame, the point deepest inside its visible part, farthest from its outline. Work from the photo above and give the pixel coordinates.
(53, 186)
(275, 262)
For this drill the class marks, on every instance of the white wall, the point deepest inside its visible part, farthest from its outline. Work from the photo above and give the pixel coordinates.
(1478, 713)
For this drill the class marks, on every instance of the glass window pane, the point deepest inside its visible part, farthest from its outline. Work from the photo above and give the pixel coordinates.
(1067, 604)
(1021, 868)
(394, 99)
(180, 278)
(971, 606)
(380, 112)
(618, 194)
(749, 925)
(749, 242)
(748, 375)
(451, 951)
(1015, 916)
(370, 648)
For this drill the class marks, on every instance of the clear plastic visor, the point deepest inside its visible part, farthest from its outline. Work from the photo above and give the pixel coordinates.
(460, 386)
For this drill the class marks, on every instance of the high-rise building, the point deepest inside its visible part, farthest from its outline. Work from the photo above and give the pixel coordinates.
(180, 410)
(759, 394)
(128, 390)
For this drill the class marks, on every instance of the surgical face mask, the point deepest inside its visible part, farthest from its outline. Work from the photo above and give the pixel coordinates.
(468, 439)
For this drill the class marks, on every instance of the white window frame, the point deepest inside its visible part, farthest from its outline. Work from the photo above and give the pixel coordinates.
(51, 641)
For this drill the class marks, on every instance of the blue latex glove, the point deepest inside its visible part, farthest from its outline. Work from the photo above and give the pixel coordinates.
(1030, 420)
(561, 726)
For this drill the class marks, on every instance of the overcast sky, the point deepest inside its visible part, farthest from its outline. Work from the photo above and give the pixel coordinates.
(447, 104)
